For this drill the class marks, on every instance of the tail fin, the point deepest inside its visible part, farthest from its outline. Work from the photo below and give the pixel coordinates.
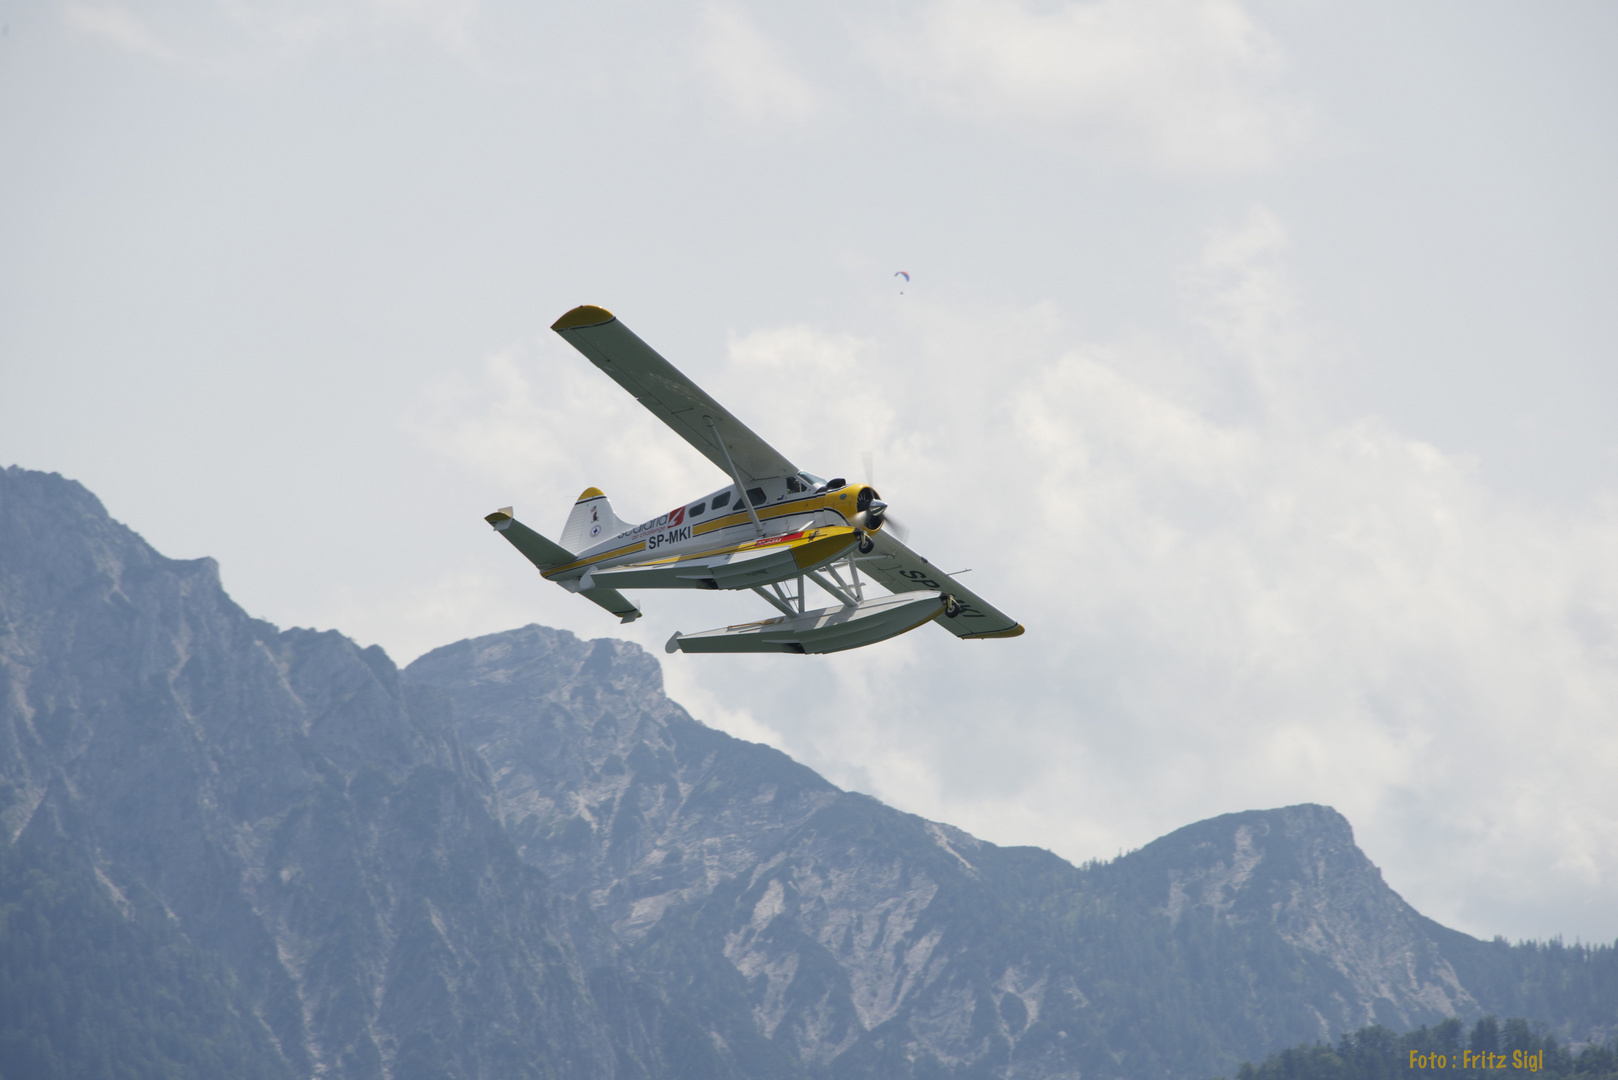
(591, 522)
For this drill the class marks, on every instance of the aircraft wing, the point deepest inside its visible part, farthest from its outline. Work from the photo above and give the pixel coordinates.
(898, 569)
(672, 398)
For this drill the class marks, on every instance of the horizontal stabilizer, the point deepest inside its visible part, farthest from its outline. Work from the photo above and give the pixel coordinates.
(614, 601)
(536, 549)
(824, 631)
(545, 554)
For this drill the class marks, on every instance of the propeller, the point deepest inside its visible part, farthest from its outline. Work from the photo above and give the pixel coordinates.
(880, 508)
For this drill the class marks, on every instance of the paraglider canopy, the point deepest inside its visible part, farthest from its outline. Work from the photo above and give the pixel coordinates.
(902, 274)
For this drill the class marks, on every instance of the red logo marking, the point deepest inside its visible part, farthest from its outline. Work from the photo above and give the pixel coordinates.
(777, 539)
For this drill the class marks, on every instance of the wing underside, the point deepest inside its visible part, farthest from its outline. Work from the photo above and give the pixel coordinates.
(672, 398)
(898, 569)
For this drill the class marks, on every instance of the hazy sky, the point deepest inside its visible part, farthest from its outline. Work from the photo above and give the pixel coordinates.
(1258, 357)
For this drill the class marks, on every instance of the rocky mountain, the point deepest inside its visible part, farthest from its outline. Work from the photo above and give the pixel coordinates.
(831, 934)
(231, 850)
(256, 853)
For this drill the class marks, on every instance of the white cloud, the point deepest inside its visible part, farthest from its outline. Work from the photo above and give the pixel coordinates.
(1185, 86)
(552, 429)
(747, 73)
(450, 23)
(779, 364)
(221, 35)
(118, 25)
(1231, 601)
(1222, 613)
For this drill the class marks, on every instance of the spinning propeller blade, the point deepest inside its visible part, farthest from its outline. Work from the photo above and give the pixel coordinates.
(893, 524)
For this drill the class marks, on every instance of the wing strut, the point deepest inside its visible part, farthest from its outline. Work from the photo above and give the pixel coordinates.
(741, 489)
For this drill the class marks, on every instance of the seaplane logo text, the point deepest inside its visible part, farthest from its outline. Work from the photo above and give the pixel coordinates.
(667, 521)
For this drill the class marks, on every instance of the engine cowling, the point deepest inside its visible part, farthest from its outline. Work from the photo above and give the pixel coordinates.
(870, 512)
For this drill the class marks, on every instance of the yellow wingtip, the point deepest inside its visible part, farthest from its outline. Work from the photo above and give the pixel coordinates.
(1015, 631)
(590, 493)
(581, 316)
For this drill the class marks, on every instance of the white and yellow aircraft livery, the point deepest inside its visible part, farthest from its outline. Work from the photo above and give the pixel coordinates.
(773, 529)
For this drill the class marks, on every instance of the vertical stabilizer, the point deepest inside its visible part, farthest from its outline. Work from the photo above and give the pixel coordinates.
(591, 522)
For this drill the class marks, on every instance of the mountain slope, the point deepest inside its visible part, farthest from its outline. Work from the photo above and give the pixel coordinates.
(231, 850)
(275, 807)
(864, 942)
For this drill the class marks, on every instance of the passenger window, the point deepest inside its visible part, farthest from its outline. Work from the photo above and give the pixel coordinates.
(722, 499)
(696, 511)
(755, 495)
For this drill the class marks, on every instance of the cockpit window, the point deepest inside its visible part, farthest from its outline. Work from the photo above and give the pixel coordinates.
(811, 480)
(755, 495)
(794, 485)
(696, 511)
(721, 499)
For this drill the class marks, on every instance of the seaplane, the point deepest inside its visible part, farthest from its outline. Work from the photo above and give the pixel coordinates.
(773, 529)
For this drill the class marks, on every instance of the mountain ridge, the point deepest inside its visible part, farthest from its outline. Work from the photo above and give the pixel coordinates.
(1288, 884)
(517, 857)
(295, 815)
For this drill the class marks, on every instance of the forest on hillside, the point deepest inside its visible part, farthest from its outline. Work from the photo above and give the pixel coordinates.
(1491, 1050)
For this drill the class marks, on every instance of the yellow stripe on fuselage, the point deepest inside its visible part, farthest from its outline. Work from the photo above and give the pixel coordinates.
(827, 501)
(784, 509)
(814, 546)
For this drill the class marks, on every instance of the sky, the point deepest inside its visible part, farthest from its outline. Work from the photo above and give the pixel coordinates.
(1259, 357)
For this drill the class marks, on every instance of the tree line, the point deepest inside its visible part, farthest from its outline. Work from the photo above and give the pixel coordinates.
(1492, 1049)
